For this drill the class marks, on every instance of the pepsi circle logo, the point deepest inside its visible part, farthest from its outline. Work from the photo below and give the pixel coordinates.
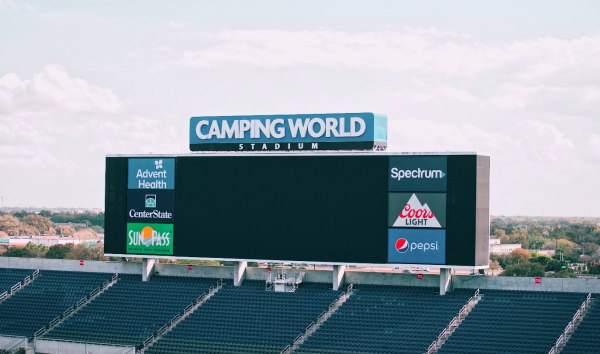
(401, 245)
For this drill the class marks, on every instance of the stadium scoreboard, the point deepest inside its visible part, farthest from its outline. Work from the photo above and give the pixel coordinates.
(333, 208)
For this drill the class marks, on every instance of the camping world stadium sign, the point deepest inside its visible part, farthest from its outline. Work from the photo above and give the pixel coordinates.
(331, 131)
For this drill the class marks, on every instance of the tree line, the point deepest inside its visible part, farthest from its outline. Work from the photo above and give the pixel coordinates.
(24, 223)
(574, 240)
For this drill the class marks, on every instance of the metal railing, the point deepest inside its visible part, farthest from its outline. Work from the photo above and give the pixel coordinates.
(18, 286)
(82, 302)
(570, 328)
(172, 322)
(445, 333)
(289, 347)
(15, 287)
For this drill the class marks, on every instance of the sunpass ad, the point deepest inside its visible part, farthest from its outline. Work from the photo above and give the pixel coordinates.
(331, 208)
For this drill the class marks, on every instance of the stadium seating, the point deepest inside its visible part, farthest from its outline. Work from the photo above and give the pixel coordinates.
(45, 298)
(248, 319)
(130, 311)
(586, 338)
(507, 321)
(387, 319)
(10, 277)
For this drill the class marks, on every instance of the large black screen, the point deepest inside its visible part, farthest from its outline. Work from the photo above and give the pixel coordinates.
(328, 208)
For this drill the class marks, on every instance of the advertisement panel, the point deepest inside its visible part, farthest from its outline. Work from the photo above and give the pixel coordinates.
(417, 246)
(147, 205)
(418, 174)
(148, 238)
(151, 173)
(425, 210)
(331, 131)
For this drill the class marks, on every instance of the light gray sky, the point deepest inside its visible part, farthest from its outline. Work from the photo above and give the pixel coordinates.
(517, 80)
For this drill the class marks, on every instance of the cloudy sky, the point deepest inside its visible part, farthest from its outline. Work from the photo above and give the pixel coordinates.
(520, 82)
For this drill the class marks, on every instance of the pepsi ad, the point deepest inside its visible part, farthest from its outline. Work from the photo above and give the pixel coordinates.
(417, 246)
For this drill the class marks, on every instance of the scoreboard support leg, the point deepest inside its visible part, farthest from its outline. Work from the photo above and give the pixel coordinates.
(239, 272)
(445, 280)
(147, 268)
(338, 276)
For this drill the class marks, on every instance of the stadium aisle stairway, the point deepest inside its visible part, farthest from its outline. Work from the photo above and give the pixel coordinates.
(131, 310)
(248, 319)
(387, 319)
(506, 321)
(586, 338)
(45, 298)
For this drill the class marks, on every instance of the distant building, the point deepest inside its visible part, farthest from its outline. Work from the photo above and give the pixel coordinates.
(502, 248)
(548, 253)
(74, 225)
(48, 241)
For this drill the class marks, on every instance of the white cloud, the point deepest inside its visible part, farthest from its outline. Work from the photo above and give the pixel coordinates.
(8, 5)
(134, 135)
(412, 49)
(593, 147)
(55, 90)
(541, 142)
(422, 135)
(545, 74)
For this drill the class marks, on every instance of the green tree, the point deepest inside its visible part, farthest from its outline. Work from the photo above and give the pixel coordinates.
(30, 251)
(36, 251)
(59, 251)
(16, 252)
(198, 262)
(594, 267)
(563, 273)
(525, 269)
(536, 243)
(550, 264)
(94, 252)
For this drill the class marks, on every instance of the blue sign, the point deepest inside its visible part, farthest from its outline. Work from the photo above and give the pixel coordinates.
(151, 173)
(417, 246)
(331, 131)
(418, 173)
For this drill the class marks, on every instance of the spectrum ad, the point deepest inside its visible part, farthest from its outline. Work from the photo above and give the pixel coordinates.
(418, 173)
